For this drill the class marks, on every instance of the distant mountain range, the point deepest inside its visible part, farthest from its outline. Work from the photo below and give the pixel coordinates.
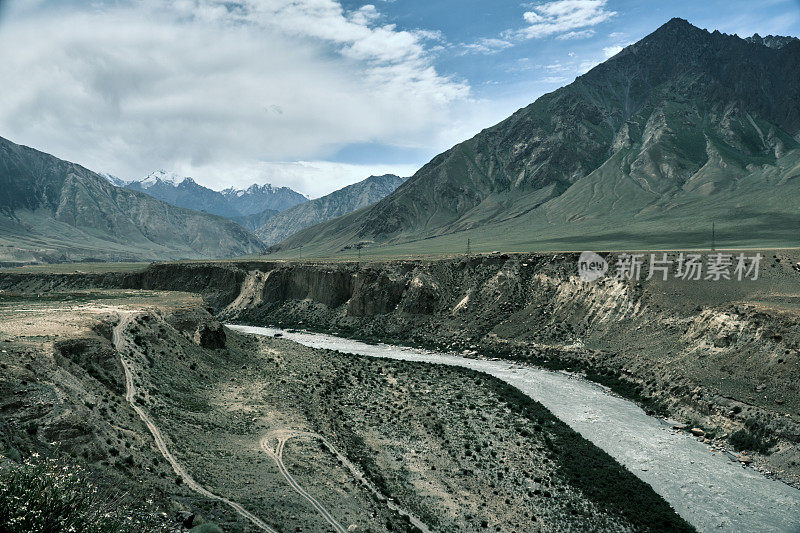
(683, 129)
(273, 213)
(57, 211)
(257, 198)
(278, 226)
(53, 210)
(231, 203)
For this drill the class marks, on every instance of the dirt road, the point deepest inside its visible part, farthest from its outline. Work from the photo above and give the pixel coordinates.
(277, 454)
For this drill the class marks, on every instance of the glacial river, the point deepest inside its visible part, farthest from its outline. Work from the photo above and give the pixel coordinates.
(710, 490)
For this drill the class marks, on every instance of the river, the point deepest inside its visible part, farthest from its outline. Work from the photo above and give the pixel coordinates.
(709, 489)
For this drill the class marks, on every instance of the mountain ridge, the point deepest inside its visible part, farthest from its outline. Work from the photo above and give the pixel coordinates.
(256, 198)
(230, 203)
(680, 114)
(340, 202)
(184, 192)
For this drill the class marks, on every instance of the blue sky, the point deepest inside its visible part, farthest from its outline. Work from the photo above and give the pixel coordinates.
(518, 71)
(313, 94)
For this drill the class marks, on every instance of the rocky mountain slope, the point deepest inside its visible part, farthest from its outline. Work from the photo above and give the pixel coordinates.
(257, 198)
(256, 220)
(53, 210)
(682, 129)
(113, 180)
(346, 200)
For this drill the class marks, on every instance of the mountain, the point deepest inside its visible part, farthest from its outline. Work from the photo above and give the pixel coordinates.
(338, 203)
(772, 41)
(230, 203)
(53, 210)
(257, 198)
(256, 220)
(113, 180)
(682, 129)
(183, 192)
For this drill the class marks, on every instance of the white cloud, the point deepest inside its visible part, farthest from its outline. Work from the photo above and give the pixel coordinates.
(193, 85)
(486, 46)
(561, 19)
(582, 34)
(564, 18)
(610, 51)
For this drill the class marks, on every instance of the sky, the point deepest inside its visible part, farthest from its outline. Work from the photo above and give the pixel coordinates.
(310, 94)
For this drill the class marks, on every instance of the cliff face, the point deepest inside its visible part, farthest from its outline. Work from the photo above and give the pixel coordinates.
(219, 283)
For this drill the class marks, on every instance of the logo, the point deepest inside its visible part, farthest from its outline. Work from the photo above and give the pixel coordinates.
(591, 266)
(683, 265)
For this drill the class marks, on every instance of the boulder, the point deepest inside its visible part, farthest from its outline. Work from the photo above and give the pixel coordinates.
(697, 432)
(210, 335)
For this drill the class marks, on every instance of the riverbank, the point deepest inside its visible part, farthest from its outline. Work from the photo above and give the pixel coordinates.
(723, 357)
(710, 490)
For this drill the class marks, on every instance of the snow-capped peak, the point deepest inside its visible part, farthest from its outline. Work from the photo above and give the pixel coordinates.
(114, 180)
(267, 187)
(252, 189)
(163, 176)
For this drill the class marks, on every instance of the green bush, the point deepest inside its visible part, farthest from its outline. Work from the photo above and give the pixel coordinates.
(48, 496)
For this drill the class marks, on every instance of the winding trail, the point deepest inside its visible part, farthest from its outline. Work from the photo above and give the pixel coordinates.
(130, 392)
(276, 452)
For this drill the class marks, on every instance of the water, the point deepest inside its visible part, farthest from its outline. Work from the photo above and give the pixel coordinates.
(709, 489)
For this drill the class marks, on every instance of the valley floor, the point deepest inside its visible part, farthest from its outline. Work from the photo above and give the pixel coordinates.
(722, 359)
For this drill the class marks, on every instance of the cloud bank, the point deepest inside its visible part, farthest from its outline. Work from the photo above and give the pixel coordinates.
(210, 85)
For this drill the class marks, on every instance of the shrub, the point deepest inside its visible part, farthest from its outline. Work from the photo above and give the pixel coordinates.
(754, 441)
(43, 496)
